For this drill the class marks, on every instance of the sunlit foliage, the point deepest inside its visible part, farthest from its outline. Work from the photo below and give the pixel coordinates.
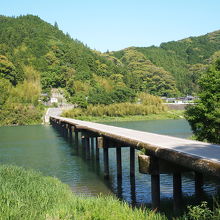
(204, 117)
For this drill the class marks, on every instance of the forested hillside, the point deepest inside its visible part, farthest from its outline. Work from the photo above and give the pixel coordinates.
(27, 41)
(36, 56)
(145, 76)
(185, 59)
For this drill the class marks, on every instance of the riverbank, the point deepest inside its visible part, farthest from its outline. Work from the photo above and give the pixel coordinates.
(171, 114)
(26, 194)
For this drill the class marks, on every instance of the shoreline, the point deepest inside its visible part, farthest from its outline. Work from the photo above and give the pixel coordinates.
(171, 114)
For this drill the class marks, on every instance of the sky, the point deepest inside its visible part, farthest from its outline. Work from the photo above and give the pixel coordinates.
(117, 24)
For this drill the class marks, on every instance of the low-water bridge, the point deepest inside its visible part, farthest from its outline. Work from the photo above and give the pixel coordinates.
(162, 154)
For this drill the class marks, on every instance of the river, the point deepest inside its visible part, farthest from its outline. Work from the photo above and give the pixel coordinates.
(44, 149)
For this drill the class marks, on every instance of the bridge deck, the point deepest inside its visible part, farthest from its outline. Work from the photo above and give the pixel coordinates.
(199, 156)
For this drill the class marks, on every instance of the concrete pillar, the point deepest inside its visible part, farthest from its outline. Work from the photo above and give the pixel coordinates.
(92, 146)
(177, 193)
(106, 162)
(76, 138)
(70, 131)
(119, 163)
(133, 191)
(97, 149)
(199, 186)
(132, 161)
(87, 148)
(155, 184)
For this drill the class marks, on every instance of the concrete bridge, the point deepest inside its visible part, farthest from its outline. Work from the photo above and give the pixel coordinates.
(162, 154)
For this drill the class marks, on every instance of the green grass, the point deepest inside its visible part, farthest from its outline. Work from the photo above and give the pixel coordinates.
(26, 194)
(171, 114)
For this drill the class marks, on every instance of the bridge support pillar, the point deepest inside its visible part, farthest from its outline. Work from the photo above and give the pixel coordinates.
(76, 138)
(92, 147)
(132, 161)
(155, 191)
(177, 192)
(83, 141)
(106, 162)
(87, 148)
(155, 184)
(198, 185)
(96, 149)
(119, 164)
(61, 127)
(70, 130)
(133, 191)
(65, 129)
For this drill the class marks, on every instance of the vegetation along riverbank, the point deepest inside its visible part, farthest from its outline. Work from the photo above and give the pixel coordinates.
(147, 107)
(28, 195)
(169, 114)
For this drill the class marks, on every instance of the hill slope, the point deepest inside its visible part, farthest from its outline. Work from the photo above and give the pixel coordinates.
(36, 56)
(63, 62)
(184, 59)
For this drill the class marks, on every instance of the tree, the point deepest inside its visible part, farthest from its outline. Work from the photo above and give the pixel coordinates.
(204, 116)
(7, 70)
(5, 87)
(56, 25)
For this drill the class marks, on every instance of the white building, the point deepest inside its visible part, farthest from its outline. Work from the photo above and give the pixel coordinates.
(53, 100)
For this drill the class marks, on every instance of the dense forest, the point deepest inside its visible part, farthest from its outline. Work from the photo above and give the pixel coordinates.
(185, 60)
(36, 56)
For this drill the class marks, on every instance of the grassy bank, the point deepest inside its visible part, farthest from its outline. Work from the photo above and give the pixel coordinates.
(171, 114)
(29, 195)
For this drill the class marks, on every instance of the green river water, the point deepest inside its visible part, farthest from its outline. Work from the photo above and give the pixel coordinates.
(44, 149)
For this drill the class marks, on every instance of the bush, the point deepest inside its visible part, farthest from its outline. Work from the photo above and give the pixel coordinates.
(202, 212)
(115, 110)
(20, 114)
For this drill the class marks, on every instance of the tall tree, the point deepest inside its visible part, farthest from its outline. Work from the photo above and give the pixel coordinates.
(204, 117)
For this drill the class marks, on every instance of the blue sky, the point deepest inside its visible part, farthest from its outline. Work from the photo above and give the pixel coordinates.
(117, 24)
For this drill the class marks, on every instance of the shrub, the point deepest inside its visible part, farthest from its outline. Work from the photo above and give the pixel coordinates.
(116, 110)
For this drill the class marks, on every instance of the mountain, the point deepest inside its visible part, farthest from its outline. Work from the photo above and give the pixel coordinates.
(36, 56)
(143, 75)
(184, 59)
(28, 41)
